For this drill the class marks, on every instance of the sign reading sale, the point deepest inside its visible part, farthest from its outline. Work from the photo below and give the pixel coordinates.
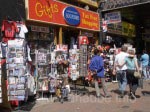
(55, 12)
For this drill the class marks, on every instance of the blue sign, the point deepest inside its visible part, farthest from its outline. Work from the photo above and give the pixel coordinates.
(71, 16)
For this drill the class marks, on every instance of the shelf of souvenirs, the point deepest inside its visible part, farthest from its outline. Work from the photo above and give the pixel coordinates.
(32, 39)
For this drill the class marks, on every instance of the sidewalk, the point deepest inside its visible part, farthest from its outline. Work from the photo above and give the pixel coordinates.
(90, 103)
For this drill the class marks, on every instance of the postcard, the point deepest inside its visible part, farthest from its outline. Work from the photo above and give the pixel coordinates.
(11, 49)
(12, 80)
(22, 80)
(21, 97)
(12, 93)
(11, 55)
(16, 72)
(10, 98)
(20, 86)
(20, 92)
(11, 72)
(19, 60)
(12, 87)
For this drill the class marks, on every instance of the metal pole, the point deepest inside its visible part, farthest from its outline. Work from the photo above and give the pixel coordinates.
(101, 23)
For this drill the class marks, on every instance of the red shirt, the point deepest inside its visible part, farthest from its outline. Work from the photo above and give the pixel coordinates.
(9, 28)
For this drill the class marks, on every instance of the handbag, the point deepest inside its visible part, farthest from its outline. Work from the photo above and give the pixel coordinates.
(137, 74)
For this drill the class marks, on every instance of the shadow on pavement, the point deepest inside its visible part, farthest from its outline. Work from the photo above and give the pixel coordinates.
(25, 106)
(118, 92)
(146, 93)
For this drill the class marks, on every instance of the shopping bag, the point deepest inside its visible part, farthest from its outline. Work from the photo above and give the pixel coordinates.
(137, 74)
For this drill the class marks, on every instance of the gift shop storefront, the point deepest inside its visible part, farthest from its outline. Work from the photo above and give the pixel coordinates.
(65, 22)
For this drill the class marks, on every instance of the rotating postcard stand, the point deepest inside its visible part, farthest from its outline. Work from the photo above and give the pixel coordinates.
(83, 59)
(74, 67)
(42, 72)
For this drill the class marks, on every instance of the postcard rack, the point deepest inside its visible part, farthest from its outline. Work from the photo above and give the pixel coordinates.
(16, 70)
(42, 67)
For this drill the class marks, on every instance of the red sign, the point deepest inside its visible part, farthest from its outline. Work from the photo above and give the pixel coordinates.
(50, 11)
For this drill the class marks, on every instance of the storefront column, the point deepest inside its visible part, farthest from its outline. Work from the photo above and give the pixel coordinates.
(96, 40)
(60, 35)
(80, 32)
(55, 38)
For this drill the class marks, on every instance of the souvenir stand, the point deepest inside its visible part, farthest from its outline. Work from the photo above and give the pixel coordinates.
(16, 69)
(74, 66)
(61, 73)
(13, 60)
(42, 67)
(83, 59)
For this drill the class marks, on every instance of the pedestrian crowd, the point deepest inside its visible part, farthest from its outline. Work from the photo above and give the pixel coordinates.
(129, 68)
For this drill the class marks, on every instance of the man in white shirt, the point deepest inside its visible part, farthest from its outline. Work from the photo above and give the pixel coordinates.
(121, 71)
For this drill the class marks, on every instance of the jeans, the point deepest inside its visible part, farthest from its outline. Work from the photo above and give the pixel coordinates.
(103, 86)
(122, 80)
(132, 81)
(145, 71)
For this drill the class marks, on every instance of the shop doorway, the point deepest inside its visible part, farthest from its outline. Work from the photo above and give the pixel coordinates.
(70, 37)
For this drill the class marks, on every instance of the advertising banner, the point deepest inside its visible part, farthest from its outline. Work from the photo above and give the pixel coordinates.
(55, 12)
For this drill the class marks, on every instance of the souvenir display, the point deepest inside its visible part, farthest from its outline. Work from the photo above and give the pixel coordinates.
(43, 69)
(16, 69)
(83, 55)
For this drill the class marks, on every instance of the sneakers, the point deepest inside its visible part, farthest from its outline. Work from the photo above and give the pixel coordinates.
(98, 97)
(107, 96)
(121, 95)
(132, 95)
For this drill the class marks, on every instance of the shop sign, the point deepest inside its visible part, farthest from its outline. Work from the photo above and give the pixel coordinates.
(123, 28)
(50, 11)
(40, 29)
(113, 17)
(72, 16)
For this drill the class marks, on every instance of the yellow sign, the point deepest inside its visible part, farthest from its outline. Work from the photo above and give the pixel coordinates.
(128, 29)
(123, 28)
(89, 2)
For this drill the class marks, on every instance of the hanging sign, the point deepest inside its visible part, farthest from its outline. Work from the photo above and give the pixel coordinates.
(113, 17)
